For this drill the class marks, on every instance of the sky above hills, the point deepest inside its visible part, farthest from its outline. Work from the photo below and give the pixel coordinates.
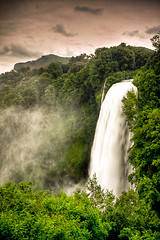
(32, 28)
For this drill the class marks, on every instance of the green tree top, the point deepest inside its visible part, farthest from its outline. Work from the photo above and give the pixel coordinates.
(156, 41)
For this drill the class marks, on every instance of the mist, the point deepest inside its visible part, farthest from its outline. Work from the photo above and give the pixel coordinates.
(33, 146)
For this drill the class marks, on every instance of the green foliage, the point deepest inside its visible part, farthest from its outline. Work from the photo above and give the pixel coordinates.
(108, 61)
(156, 41)
(89, 214)
(49, 98)
(28, 215)
(130, 109)
(79, 153)
(144, 122)
(130, 215)
(69, 96)
(78, 63)
(55, 69)
(60, 89)
(148, 84)
(101, 198)
(76, 82)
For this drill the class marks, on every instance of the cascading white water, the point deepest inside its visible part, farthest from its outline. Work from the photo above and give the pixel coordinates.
(109, 155)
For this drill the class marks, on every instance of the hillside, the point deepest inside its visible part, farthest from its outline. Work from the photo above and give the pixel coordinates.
(47, 125)
(71, 95)
(42, 62)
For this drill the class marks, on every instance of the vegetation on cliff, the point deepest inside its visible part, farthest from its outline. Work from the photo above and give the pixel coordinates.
(56, 108)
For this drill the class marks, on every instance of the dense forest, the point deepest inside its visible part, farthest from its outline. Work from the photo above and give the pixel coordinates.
(47, 125)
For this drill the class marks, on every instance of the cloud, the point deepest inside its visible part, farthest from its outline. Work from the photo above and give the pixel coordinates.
(30, 37)
(69, 52)
(135, 33)
(16, 50)
(94, 11)
(153, 30)
(59, 28)
(131, 34)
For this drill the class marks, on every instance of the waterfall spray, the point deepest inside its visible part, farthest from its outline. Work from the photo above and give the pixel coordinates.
(109, 154)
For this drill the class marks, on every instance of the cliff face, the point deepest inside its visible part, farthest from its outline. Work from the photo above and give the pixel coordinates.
(42, 62)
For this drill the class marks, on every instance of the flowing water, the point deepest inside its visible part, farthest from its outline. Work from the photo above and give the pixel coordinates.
(109, 155)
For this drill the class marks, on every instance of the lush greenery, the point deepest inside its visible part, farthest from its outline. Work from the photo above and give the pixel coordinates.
(25, 214)
(64, 89)
(73, 92)
(144, 122)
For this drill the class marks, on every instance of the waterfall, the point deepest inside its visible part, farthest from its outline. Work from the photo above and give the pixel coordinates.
(102, 98)
(109, 154)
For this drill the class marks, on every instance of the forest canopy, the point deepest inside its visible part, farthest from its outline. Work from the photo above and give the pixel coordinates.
(56, 93)
(47, 124)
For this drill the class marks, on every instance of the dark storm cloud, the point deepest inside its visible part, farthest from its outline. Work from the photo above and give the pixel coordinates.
(94, 11)
(18, 51)
(153, 30)
(59, 28)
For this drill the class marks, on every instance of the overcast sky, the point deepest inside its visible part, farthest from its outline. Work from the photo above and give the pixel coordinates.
(32, 28)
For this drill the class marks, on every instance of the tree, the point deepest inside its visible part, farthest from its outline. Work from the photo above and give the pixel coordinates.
(156, 41)
(144, 122)
(25, 214)
(55, 69)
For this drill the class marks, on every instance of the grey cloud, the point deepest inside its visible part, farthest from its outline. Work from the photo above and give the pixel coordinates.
(94, 11)
(29, 37)
(131, 34)
(18, 51)
(153, 30)
(4, 51)
(59, 28)
(135, 33)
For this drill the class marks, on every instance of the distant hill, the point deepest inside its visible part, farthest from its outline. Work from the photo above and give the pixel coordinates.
(42, 62)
